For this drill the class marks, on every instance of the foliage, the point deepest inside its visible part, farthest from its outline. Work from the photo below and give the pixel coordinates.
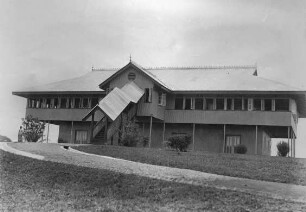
(130, 135)
(145, 141)
(179, 142)
(32, 129)
(282, 149)
(240, 149)
(4, 139)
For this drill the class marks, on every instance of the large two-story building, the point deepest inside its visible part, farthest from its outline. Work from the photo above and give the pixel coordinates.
(219, 106)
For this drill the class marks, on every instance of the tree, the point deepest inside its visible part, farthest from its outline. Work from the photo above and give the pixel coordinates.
(283, 149)
(32, 129)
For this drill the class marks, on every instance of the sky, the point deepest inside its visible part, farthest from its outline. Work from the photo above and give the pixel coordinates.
(43, 41)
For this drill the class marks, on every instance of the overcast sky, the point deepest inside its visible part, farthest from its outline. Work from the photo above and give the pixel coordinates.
(42, 41)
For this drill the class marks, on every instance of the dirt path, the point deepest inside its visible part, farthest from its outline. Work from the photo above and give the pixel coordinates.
(56, 153)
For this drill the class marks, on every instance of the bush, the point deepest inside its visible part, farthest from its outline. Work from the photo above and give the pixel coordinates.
(240, 149)
(179, 142)
(32, 129)
(130, 135)
(283, 149)
(145, 141)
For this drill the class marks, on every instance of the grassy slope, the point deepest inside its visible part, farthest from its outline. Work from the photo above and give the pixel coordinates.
(276, 169)
(33, 185)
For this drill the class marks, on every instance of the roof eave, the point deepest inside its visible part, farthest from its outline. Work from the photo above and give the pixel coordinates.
(29, 93)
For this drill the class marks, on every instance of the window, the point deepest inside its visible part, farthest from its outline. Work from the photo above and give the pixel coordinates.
(77, 102)
(42, 103)
(188, 104)
(268, 104)
(48, 103)
(131, 76)
(237, 104)
(229, 103)
(162, 99)
(148, 95)
(220, 104)
(281, 104)
(198, 103)
(94, 102)
(231, 142)
(245, 104)
(30, 103)
(257, 104)
(85, 103)
(178, 105)
(63, 102)
(56, 103)
(80, 136)
(209, 104)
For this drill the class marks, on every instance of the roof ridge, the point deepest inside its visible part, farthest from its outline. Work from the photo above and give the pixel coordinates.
(203, 67)
(105, 69)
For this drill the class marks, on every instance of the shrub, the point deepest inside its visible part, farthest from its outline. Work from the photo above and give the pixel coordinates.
(240, 149)
(130, 135)
(179, 142)
(145, 141)
(32, 129)
(283, 149)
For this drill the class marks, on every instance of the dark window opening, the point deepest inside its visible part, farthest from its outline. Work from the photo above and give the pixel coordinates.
(245, 104)
(237, 104)
(94, 102)
(229, 103)
(188, 104)
(56, 103)
(198, 103)
(77, 102)
(148, 95)
(48, 103)
(178, 104)
(268, 104)
(42, 103)
(85, 103)
(63, 102)
(220, 104)
(209, 104)
(257, 104)
(69, 103)
(282, 104)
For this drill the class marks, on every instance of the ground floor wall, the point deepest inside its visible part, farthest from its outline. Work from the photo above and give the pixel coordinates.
(74, 132)
(210, 138)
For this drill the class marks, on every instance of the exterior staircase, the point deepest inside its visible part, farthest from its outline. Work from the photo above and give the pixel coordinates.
(100, 137)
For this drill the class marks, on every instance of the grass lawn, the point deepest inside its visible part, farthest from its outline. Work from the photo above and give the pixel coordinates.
(32, 185)
(275, 169)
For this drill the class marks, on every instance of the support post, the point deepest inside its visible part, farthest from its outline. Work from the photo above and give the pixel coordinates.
(106, 128)
(193, 129)
(291, 146)
(224, 137)
(256, 140)
(92, 127)
(71, 132)
(294, 146)
(48, 132)
(150, 138)
(164, 129)
(288, 139)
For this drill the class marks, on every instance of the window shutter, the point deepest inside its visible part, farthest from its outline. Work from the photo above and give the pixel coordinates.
(150, 95)
(250, 104)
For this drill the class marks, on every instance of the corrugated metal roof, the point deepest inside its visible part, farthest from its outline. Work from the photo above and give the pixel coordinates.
(116, 101)
(217, 80)
(86, 83)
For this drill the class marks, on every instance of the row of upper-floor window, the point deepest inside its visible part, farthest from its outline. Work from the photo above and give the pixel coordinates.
(62, 102)
(250, 104)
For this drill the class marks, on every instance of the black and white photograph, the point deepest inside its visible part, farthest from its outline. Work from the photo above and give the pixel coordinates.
(153, 105)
